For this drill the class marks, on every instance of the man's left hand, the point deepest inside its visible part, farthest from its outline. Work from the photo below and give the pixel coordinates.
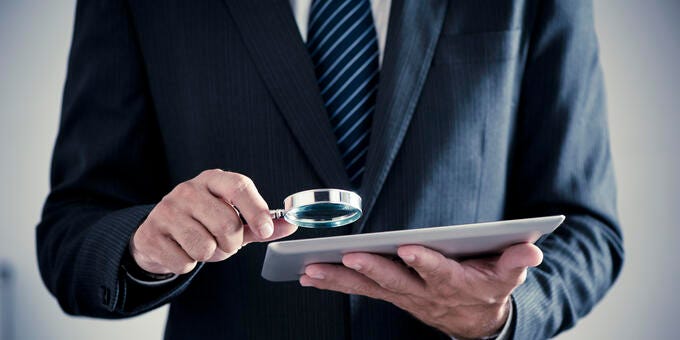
(466, 299)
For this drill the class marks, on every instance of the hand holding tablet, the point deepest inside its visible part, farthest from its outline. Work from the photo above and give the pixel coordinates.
(286, 260)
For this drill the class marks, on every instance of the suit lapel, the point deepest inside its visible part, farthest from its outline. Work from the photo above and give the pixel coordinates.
(272, 38)
(414, 28)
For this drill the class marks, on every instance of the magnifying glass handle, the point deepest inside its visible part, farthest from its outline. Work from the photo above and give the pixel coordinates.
(277, 213)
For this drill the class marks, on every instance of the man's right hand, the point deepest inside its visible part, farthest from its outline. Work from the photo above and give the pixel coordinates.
(197, 222)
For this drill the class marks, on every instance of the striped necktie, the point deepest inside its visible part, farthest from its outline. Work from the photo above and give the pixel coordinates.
(343, 45)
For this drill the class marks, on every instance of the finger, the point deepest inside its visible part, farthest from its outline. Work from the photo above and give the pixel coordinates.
(144, 247)
(388, 274)
(221, 221)
(220, 255)
(511, 266)
(240, 191)
(193, 237)
(281, 230)
(344, 280)
(171, 256)
(431, 265)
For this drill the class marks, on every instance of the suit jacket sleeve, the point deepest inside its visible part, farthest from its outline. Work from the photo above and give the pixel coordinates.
(108, 169)
(562, 165)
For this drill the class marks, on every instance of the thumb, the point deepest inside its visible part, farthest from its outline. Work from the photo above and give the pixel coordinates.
(514, 261)
(281, 230)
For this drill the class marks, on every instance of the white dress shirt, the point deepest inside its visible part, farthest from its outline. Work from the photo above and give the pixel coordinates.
(381, 15)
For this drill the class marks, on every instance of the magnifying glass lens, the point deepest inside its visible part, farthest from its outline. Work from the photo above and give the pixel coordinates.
(323, 215)
(322, 208)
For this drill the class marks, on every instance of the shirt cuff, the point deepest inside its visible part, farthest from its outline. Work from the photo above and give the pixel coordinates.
(150, 281)
(141, 276)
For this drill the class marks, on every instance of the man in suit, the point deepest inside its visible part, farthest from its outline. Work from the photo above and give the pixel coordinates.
(436, 112)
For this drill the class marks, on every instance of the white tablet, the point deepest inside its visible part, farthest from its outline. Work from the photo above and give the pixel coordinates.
(286, 260)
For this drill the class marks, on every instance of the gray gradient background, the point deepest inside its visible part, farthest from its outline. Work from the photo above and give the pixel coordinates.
(640, 48)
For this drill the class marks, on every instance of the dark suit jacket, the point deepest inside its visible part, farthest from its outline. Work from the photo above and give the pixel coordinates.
(486, 110)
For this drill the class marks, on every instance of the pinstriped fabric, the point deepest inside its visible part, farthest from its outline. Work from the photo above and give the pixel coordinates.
(343, 45)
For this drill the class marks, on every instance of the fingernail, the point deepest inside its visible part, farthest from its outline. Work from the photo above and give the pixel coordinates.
(305, 283)
(409, 258)
(266, 229)
(354, 266)
(318, 276)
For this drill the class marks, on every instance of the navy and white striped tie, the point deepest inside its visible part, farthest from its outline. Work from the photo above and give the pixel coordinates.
(343, 44)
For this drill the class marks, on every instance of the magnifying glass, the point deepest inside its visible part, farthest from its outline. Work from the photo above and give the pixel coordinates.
(320, 208)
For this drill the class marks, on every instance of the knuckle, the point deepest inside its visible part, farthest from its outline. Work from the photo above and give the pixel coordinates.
(437, 275)
(437, 268)
(229, 226)
(144, 248)
(185, 190)
(203, 250)
(430, 274)
(230, 246)
(230, 251)
(177, 263)
(210, 173)
(164, 256)
(155, 257)
(143, 234)
(167, 260)
(147, 237)
(393, 284)
(242, 184)
(360, 288)
(164, 207)
(223, 228)
(190, 241)
(141, 246)
(419, 302)
(159, 218)
(447, 292)
(220, 256)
